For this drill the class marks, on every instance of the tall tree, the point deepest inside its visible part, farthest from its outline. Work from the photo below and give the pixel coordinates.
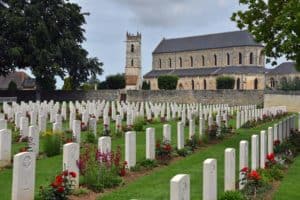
(46, 37)
(276, 24)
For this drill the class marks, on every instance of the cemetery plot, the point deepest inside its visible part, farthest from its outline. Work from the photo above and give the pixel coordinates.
(120, 137)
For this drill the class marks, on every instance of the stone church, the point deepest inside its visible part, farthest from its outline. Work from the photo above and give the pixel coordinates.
(199, 60)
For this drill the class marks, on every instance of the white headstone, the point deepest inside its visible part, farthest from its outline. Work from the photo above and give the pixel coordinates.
(263, 150)
(210, 179)
(76, 130)
(34, 141)
(191, 128)
(270, 140)
(229, 177)
(201, 127)
(93, 125)
(167, 132)
(104, 144)
(180, 187)
(5, 147)
(254, 152)
(130, 148)
(24, 126)
(150, 143)
(23, 182)
(3, 124)
(180, 135)
(243, 159)
(70, 159)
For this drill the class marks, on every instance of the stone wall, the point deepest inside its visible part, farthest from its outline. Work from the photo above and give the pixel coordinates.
(231, 97)
(290, 99)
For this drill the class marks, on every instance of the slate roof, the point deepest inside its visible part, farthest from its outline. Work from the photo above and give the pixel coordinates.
(202, 42)
(207, 71)
(21, 79)
(284, 68)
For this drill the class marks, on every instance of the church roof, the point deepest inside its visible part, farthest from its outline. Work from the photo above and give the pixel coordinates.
(207, 71)
(202, 42)
(284, 68)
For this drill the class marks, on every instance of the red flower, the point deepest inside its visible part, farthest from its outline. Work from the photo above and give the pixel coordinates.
(61, 189)
(277, 142)
(254, 175)
(245, 169)
(271, 157)
(73, 174)
(122, 172)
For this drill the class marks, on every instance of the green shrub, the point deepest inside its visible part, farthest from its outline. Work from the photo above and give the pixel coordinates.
(90, 138)
(232, 195)
(183, 152)
(167, 82)
(148, 164)
(52, 144)
(225, 82)
(138, 124)
(146, 85)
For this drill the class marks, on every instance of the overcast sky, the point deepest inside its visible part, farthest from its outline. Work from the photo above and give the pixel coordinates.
(109, 20)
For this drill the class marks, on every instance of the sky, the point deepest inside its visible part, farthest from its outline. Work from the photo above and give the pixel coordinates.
(109, 20)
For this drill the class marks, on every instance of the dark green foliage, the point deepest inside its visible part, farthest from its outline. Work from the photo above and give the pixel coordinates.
(52, 144)
(275, 23)
(167, 82)
(45, 37)
(146, 85)
(138, 124)
(225, 82)
(12, 86)
(290, 85)
(90, 137)
(67, 84)
(148, 164)
(113, 82)
(192, 143)
(232, 195)
(183, 152)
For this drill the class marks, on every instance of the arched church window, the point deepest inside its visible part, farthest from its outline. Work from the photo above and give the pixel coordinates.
(132, 48)
(132, 62)
(240, 58)
(160, 63)
(238, 83)
(255, 84)
(228, 59)
(203, 61)
(193, 85)
(215, 59)
(204, 84)
(192, 61)
(170, 63)
(272, 82)
(180, 62)
(251, 58)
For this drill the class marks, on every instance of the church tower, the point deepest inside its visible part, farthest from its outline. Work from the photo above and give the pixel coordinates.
(133, 61)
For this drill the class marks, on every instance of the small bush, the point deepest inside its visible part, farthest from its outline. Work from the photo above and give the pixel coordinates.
(183, 152)
(138, 124)
(232, 195)
(167, 82)
(90, 138)
(148, 164)
(52, 144)
(225, 82)
(146, 85)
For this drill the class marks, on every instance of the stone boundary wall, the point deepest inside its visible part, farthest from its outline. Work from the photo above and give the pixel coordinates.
(231, 97)
(290, 99)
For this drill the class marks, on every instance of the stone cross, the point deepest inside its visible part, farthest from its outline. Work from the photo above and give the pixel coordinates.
(130, 148)
(210, 179)
(229, 176)
(180, 187)
(150, 143)
(70, 159)
(23, 181)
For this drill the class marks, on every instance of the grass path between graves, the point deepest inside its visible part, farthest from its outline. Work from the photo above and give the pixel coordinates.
(156, 186)
(289, 187)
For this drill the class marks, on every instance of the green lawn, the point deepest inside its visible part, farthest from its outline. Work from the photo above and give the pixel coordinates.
(156, 185)
(289, 187)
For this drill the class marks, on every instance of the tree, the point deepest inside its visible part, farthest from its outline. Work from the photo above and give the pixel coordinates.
(115, 81)
(45, 37)
(67, 84)
(12, 86)
(276, 24)
(167, 82)
(225, 82)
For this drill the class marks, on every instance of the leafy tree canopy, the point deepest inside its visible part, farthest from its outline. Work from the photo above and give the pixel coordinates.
(46, 37)
(116, 81)
(276, 24)
(167, 82)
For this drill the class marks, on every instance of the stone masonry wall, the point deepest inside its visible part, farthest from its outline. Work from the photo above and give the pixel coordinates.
(281, 98)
